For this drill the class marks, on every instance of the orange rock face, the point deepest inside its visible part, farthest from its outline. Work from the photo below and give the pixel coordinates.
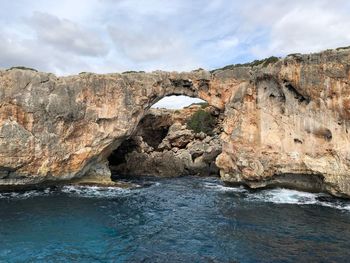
(288, 125)
(285, 123)
(55, 128)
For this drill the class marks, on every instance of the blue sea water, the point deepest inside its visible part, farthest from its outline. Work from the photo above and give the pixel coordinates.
(186, 219)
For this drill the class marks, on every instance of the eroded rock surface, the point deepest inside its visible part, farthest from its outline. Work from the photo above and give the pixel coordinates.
(164, 146)
(58, 128)
(289, 117)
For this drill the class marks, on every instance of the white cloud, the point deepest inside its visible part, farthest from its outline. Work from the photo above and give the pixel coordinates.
(139, 45)
(151, 47)
(16, 52)
(66, 35)
(300, 26)
(310, 30)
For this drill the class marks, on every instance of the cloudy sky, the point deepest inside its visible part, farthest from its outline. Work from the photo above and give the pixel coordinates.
(70, 36)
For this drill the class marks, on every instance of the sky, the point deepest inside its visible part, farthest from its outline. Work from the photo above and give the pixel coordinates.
(70, 36)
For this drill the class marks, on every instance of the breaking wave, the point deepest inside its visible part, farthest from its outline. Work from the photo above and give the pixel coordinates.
(76, 191)
(25, 194)
(284, 196)
(220, 187)
(276, 196)
(287, 196)
(94, 191)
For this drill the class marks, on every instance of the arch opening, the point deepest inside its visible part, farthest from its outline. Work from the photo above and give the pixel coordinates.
(177, 102)
(165, 144)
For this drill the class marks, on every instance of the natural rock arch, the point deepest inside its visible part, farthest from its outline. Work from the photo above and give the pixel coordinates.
(57, 128)
(282, 117)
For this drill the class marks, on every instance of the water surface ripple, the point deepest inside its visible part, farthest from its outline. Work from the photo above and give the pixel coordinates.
(187, 219)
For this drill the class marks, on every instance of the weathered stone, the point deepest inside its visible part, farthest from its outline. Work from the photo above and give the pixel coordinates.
(99, 174)
(179, 136)
(292, 118)
(289, 117)
(164, 145)
(200, 135)
(166, 160)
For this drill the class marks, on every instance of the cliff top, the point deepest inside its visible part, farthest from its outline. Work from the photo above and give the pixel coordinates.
(317, 57)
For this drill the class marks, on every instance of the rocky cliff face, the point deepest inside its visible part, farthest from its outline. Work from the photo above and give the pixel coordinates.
(285, 122)
(288, 125)
(59, 128)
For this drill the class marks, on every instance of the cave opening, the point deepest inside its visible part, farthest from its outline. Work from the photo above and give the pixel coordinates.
(165, 144)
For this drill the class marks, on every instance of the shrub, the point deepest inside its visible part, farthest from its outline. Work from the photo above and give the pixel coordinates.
(270, 60)
(263, 62)
(23, 68)
(198, 69)
(203, 105)
(294, 54)
(341, 48)
(201, 121)
(132, 72)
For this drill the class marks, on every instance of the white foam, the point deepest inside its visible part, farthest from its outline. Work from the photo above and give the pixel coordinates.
(220, 187)
(25, 195)
(287, 196)
(94, 191)
(284, 196)
(277, 196)
(345, 207)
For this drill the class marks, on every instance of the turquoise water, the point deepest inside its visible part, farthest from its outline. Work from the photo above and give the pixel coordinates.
(186, 219)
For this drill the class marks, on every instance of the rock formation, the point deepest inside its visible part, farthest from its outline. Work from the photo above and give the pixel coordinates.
(285, 122)
(164, 146)
(59, 128)
(288, 125)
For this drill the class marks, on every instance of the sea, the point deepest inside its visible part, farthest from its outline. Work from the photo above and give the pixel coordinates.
(185, 219)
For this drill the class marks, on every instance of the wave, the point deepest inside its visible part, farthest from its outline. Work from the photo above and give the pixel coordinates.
(223, 188)
(287, 196)
(277, 195)
(72, 190)
(94, 191)
(25, 194)
(283, 196)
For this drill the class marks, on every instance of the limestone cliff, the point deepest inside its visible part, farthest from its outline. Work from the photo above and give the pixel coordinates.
(288, 124)
(284, 122)
(59, 128)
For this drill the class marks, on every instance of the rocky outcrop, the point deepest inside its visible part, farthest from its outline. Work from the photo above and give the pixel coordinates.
(290, 121)
(59, 128)
(164, 146)
(286, 118)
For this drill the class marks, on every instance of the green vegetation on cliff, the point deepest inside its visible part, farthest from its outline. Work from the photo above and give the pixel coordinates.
(263, 62)
(201, 121)
(202, 104)
(342, 48)
(22, 68)
(133, 71)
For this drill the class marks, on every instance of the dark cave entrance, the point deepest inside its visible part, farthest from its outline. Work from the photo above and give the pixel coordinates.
(153, 129)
